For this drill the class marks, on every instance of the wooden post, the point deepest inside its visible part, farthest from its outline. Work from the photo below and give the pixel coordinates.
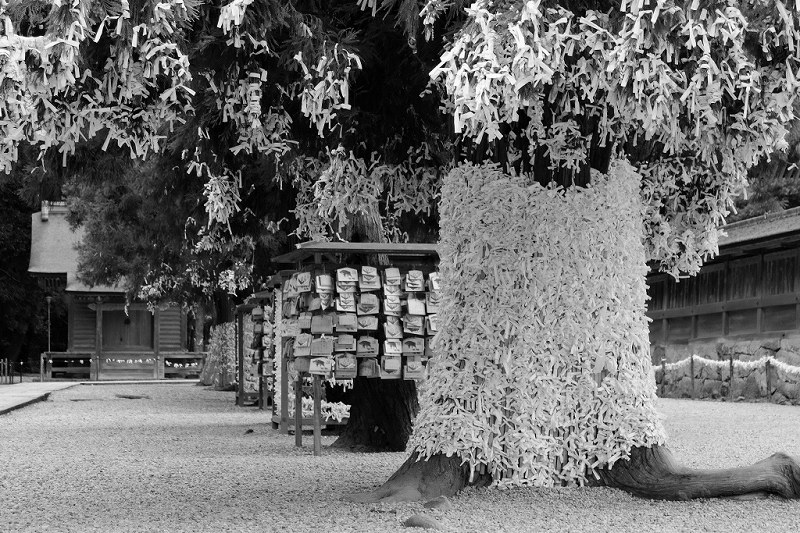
(298, 410)
(730, 378)
(691, 373)
(239, 329)
(284, 362)
(663, 374)
(260, 369)
(158, 371)
(317, 415)
(98, 337)
(769, 384)
(41, 368)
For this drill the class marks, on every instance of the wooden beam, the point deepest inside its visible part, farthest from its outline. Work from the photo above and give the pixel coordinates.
(309, 250)
(70, 322)
(284, 362)
(98, 336)
(298, 410)
(239, 336)
(317, 392)
(158, 371)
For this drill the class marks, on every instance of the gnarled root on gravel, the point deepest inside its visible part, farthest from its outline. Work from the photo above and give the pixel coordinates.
(648, 473)
(653, 473)
(438, 475)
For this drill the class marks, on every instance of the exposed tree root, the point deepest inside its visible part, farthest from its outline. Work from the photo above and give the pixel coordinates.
(652, 473)
(439, 475)
(649, 473)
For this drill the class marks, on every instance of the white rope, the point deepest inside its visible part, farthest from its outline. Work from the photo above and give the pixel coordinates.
(740, 365)
(784, 367)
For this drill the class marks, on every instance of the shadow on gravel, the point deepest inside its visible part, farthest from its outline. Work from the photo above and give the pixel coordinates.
(120, 396)
(133, 396)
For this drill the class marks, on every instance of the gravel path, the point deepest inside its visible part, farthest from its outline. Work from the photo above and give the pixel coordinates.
(182, 459)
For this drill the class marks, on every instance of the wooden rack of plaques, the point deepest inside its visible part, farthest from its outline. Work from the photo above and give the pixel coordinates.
(254, 335)
(346, 319)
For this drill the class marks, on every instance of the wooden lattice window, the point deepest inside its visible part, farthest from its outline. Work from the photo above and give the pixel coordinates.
(711, 284)
(780, 318)
(680, 293)
(743, 278)
(655, 290)
(131, 332)
(780, 273)
(709, 325)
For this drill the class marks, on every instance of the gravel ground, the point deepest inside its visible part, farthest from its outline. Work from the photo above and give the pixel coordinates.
(183, 459)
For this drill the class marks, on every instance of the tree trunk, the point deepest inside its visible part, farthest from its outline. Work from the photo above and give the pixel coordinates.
(649, 473)
(381, 415)
(199, 328)
(439, 475)
(581, 343)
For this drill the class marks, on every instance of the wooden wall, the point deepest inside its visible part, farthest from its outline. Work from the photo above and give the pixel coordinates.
(754, 295)
(172, 330)
(82, 324)
(131, 331)
(139, 334)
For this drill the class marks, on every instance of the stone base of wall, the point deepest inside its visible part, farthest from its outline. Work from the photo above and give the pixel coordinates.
(714, 382)
(783, 348)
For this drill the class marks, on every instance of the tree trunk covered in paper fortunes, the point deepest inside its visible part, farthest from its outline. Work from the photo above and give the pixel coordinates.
(541, 372)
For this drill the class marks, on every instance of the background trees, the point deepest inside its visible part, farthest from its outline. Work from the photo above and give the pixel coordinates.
(773, 182)
(23, 313)
(243, 110)
(251, 124)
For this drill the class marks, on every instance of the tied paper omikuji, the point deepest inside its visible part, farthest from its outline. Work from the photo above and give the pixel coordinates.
(541, 370)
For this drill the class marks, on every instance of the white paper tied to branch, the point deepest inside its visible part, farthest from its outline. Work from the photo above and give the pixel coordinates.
(541, 369)
(664, 72)
(46, 102)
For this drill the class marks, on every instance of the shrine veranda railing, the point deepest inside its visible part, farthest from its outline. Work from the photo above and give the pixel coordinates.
(121, 365)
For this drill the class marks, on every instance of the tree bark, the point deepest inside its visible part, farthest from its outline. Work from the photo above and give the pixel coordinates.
(381, 415)
(649, 473)
(653, 473)
(436, 476)
(200, 313)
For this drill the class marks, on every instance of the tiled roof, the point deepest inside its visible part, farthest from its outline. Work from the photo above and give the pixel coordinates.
(770, 225)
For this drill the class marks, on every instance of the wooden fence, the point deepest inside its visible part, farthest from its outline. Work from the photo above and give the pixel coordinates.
(121, 365)
(7, 372)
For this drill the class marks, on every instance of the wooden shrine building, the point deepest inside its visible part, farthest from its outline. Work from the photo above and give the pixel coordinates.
(106, 341)
(745, 302)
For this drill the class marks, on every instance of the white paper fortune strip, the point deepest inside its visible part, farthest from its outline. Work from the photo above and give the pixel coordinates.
(541, 368)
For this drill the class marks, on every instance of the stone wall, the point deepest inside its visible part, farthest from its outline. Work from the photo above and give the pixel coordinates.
(776, 382)
(784, 348)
